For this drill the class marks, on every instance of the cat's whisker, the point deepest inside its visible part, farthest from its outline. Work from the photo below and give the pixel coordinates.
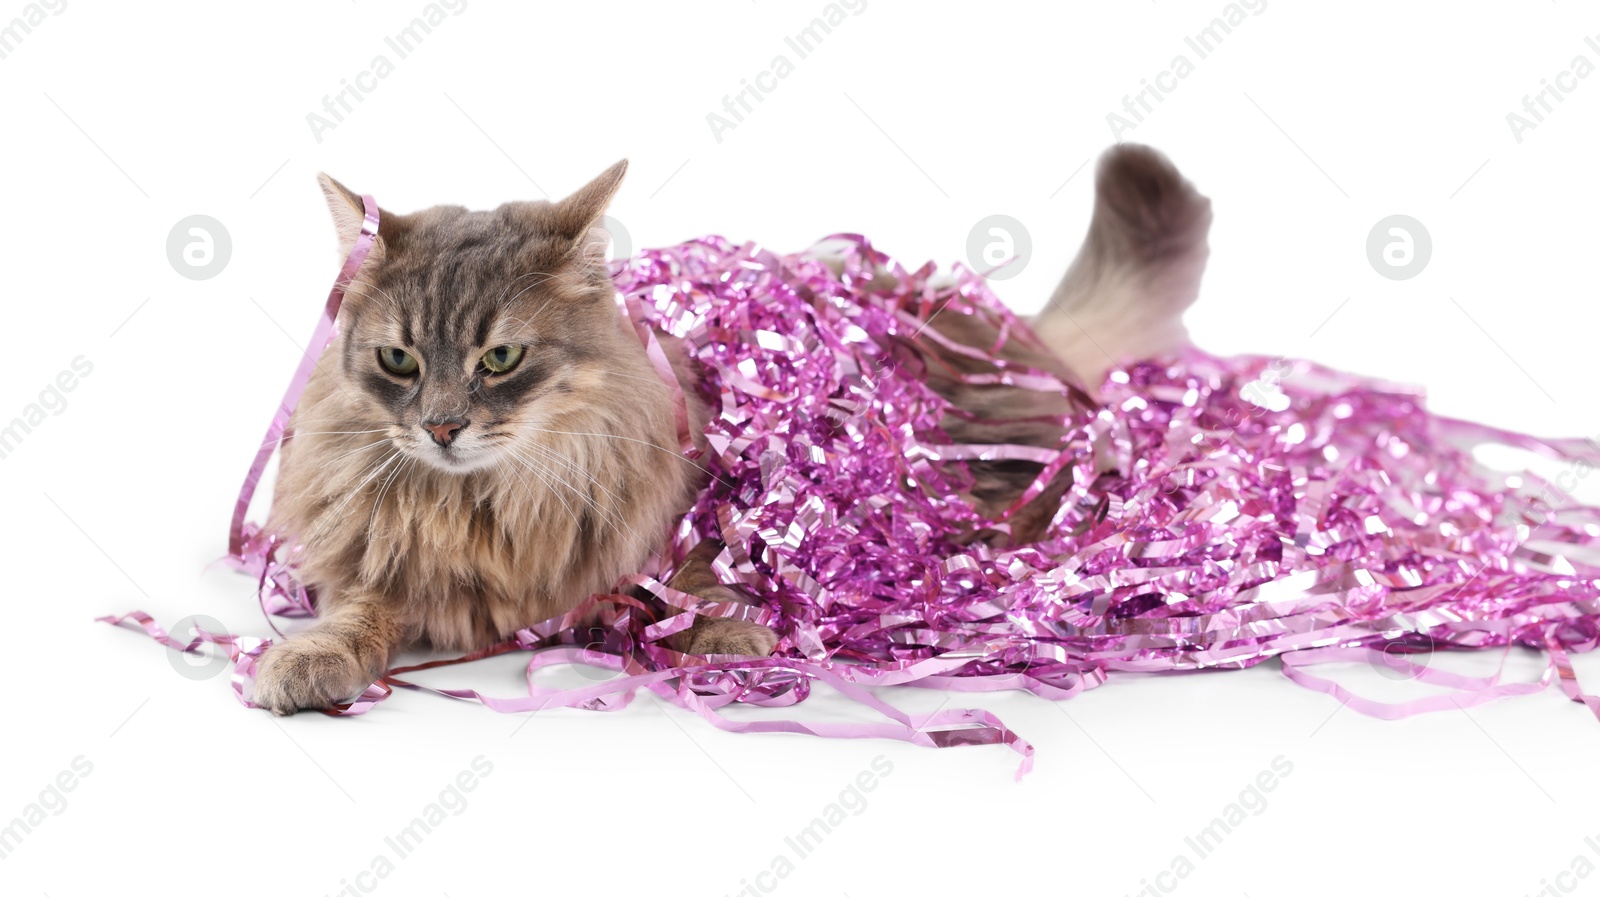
(502, 303)
(304, 433)
(543, 480)
(358, 449)
(571, 465)
(377, 502)
(635, 377)
(562, 276)
(513, 282)
(302, 421)
(392, 306)
(673, 452)
(365, 285)
(551, 478)
(547, 300)
(332, 518)
(605, 513)
(593, 481)
(548, 276)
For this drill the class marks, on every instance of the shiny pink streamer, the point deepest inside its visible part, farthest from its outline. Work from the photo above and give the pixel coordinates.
(248, 548)
(1338, 522)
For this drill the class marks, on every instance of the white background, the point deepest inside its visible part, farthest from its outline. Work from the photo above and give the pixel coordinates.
(910, 122)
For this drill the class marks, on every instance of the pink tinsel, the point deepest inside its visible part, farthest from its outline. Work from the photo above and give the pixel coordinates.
(1252, 508)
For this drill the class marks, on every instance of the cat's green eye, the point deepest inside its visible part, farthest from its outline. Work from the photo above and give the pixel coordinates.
(501, 358)
(397, 361)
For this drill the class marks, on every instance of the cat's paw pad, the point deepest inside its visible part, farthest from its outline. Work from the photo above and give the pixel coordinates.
(306, 676)
(722, 636)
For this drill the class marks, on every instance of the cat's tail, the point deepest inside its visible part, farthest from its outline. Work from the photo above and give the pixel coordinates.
(1124, 296)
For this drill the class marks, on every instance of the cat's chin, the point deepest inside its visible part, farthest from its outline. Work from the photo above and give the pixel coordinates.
(456, 463)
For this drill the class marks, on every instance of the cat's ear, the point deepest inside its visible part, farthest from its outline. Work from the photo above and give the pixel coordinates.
(577, 217)
(348, 213)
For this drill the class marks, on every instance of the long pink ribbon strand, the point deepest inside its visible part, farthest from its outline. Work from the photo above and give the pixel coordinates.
(327, 328)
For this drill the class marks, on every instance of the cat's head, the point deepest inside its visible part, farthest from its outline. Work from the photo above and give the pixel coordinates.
(466, 331)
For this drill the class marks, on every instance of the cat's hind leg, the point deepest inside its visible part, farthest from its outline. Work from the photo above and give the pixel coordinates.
(716, 635)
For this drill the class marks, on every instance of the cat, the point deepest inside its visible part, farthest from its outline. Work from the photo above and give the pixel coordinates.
(487, 443)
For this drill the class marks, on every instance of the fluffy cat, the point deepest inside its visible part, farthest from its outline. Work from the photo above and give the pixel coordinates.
(487, 443)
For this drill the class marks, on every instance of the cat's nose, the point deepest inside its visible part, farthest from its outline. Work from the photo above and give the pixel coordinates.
(444, 429)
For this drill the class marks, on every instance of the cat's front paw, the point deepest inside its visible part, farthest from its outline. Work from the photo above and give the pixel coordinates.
(301, 675)
(724, 636)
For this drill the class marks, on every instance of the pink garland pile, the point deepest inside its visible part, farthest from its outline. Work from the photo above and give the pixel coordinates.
(1253, 508)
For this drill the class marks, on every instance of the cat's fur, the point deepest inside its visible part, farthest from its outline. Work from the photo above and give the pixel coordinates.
(566, 475)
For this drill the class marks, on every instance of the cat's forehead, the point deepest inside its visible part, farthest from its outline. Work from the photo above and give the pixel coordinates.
(465, 276)
(451, 240)
(455, 251)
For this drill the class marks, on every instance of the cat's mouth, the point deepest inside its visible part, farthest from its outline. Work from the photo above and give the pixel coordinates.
(455, 458)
